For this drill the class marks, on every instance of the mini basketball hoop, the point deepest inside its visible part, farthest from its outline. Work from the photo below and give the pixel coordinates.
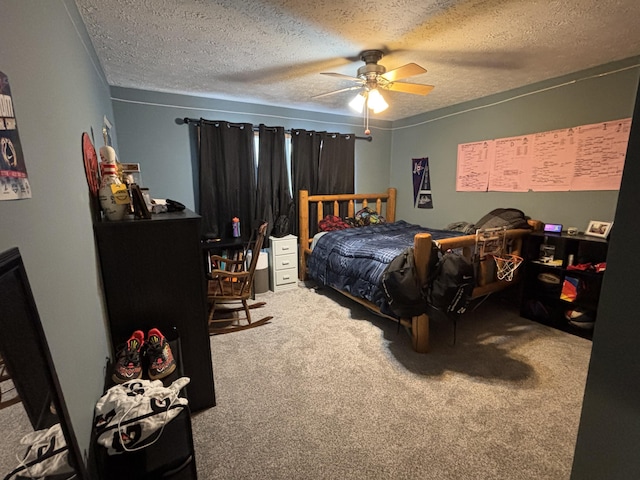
(507, 264)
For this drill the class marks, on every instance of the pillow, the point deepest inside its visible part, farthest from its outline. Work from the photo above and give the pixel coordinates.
(365, 217)
(331, 222)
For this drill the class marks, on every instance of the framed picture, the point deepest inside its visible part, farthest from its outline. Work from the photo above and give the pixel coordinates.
(598, 229)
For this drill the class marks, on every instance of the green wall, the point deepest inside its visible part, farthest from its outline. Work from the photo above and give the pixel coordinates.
(583, 98)
(59, 92)
(148, 134)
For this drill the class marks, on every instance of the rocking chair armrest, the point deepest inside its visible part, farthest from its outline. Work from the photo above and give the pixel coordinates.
(224, 274)
(218, 258)
(230, 264)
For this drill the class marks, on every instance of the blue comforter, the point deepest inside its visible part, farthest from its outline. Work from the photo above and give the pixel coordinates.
(354, 259)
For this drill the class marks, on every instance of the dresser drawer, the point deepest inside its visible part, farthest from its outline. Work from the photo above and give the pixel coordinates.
(285, 247)
(284, 277)
(282, 262)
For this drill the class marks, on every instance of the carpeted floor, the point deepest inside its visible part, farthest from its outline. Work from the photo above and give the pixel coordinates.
(327, 390)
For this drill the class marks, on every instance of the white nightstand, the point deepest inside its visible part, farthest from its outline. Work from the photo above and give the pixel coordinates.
(283, 263)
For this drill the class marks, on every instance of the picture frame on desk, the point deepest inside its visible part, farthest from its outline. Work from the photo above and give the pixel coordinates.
(140, 208)
(597, 228)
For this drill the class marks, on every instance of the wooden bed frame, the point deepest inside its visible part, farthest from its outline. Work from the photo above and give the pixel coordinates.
(419, 326)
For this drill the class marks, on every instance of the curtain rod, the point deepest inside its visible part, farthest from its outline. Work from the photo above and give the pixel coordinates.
(196, 122)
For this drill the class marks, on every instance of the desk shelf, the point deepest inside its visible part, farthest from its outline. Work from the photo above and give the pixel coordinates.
(551, 291)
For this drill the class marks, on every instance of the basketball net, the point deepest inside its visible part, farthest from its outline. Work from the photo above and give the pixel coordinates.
(492, 242)
(507, 265)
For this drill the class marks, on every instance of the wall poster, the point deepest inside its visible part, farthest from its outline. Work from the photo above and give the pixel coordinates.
(587, 157)
(472, 173)
(421, 183)
(14, 183)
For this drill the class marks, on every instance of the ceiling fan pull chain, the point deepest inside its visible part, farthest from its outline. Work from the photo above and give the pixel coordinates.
(366, 116)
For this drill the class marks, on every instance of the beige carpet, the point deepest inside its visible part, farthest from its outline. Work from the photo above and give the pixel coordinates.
(328, 390)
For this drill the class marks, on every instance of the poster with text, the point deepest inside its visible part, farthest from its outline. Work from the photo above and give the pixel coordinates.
(14, 183)
(472, 173)
(601, 152)
(553, 160)
(421, 183)
(510, 166)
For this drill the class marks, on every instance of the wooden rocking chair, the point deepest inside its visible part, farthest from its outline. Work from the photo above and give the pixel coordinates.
(5, 377)
(231, 284)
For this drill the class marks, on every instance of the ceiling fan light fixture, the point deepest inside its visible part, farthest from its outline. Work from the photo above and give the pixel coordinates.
(376, 102)
(358, 102)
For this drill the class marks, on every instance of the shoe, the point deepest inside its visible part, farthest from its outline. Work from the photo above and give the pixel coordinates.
(129, 363)
(161, 361)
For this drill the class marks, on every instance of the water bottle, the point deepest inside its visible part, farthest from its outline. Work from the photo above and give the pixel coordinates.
(236, 227)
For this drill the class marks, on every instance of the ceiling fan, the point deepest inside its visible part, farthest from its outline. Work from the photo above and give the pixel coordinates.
(373, 76)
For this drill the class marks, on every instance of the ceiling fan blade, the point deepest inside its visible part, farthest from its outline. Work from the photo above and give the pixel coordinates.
(283, 72)
(410, 88)
(345, 77)
(404, 71)
(355, 87)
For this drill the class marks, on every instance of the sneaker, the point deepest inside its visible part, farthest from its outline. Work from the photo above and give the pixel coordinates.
(161, 361)
(129, 363)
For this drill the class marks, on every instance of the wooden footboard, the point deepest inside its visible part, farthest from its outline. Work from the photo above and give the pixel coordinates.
(384, 204)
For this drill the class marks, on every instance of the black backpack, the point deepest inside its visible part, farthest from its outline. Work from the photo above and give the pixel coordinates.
(451, 283)
(503, 217)
(402, 288)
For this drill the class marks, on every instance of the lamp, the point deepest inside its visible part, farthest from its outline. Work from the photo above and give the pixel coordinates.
(376, 101)
(373, 100)
(358, 101)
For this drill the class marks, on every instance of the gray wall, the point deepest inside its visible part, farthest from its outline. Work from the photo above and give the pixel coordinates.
(148, 134)
(579, 99)
(59, 92)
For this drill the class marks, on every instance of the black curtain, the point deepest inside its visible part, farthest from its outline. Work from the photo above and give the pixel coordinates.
(336, 168)
(273, 198)
(227, 177)
(322, 163)
(305, 162)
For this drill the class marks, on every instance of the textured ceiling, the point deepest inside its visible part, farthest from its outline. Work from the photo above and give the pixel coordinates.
(272, 51)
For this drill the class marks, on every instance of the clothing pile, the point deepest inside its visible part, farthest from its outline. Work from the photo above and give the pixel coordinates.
(47, 454)
(131, 416)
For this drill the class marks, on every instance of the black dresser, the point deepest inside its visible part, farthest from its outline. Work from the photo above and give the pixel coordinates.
(153, 276)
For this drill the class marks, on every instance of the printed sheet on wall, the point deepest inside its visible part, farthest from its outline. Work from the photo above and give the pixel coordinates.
(587, 157)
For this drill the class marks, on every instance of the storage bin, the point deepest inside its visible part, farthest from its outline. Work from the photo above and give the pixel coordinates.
(261, 275)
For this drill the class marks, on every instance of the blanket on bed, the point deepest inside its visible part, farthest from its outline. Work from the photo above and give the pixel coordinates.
(353, 260)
